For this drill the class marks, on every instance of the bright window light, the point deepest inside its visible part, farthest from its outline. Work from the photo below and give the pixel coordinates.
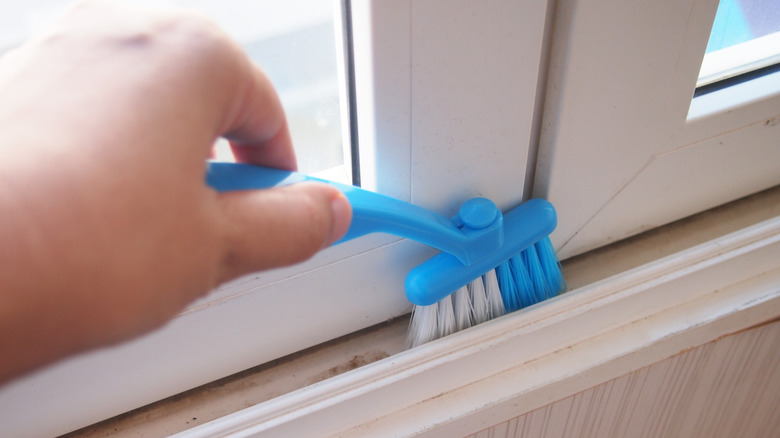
(296, 42)
(745, 37)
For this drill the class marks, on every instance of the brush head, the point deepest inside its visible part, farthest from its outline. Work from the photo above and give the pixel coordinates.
(443, 274)
(524, 280)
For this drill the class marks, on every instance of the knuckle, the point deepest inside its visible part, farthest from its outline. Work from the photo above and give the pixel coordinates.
(271, 229)
(194, 28)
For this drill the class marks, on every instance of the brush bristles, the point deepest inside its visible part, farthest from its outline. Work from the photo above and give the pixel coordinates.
(480, 306)
(496, 306)
(524, 280)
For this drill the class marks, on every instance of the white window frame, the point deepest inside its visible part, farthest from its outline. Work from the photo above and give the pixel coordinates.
(441, 120)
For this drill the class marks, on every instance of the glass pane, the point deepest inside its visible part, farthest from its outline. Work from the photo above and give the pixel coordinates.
(745, 36)
(295, 42)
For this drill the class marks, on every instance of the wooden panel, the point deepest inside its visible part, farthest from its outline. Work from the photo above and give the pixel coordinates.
(726, 388)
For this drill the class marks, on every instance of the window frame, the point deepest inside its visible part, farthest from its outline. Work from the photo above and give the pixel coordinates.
(680, 148)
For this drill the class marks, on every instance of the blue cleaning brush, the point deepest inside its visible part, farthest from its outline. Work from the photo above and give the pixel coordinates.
(491, 263)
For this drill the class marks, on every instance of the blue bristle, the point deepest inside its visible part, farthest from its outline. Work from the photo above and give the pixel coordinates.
(535, 273)
(553, 274)
(508, 286)
(523, 282)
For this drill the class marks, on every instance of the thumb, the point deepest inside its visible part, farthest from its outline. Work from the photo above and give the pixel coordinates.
(277, 227)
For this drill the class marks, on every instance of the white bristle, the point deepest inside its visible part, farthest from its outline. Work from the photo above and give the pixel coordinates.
(493, 294)
(446, 317)
(424, 326)
(479, 302)
(461, 303)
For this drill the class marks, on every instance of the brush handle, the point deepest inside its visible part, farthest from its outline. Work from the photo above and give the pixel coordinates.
(475, 233)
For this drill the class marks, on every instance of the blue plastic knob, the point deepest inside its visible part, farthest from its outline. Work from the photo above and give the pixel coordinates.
(478, 213)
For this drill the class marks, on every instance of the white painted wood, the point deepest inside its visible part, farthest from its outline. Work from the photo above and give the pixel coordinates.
(621, 79)
(465, 383)
(455, 94)
(725, 388)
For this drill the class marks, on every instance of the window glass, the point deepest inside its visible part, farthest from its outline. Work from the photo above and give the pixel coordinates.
(295, 42)
(745, 37)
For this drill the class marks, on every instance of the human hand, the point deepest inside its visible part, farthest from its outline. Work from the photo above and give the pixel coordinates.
(107, 227)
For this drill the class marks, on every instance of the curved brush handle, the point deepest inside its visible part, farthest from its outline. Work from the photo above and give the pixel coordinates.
(475, 233)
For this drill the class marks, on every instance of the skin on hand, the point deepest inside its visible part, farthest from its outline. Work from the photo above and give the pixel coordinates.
(107, 228)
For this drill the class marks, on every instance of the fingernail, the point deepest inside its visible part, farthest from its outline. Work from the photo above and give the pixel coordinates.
(342, 217)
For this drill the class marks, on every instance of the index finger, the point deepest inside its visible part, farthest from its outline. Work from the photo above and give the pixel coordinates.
(258, 131)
